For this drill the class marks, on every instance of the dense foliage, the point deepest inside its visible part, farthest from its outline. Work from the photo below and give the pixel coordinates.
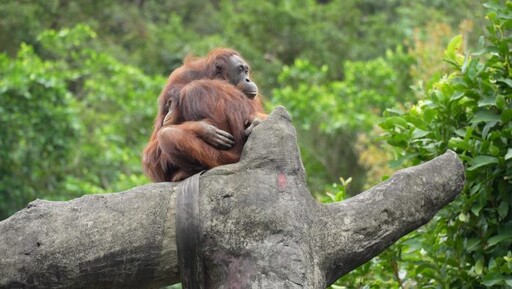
(70, 123)
(469, 111)
(79, 81)
(40, 128)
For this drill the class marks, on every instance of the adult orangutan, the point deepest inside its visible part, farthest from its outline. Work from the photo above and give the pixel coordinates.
(164, 158)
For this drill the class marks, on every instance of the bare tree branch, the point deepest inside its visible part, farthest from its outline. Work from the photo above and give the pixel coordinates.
(123, 240)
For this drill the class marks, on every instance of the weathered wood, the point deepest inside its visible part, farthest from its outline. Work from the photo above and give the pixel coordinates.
(258, 225)
(123, 240)
(263, 229)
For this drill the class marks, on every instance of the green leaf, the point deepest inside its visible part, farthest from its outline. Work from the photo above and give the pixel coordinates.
(451, 51)
(500, 101)
(457, 95)
(464, 217)
(481, 161)
(492, 279)
(394, 121)
(399, 161)
(479, 266)
(506, 115)
(393, 111)
(460, 132)
(491, 15)
(429, 115)
(419, 133)
(456, 142)
(499, 238)
(477, 207)
(487, 128)
(489, 101)
(503, 209)
(485, 116)
(509, 154)
(418, 122)
(504, 49)
(506, 81)
(464, 66)
(472, 244)
(474, 69)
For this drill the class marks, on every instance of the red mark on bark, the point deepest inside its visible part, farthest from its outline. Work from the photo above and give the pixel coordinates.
(282, 182)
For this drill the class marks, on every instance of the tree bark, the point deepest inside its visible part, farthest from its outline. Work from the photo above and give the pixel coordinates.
(257, 225)
(122, 240)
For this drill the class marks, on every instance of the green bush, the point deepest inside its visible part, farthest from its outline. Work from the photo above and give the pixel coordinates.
(72, 120)
(470, 112)
(39, 127)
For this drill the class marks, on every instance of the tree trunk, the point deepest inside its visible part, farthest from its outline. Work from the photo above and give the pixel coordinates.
(252, 224)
